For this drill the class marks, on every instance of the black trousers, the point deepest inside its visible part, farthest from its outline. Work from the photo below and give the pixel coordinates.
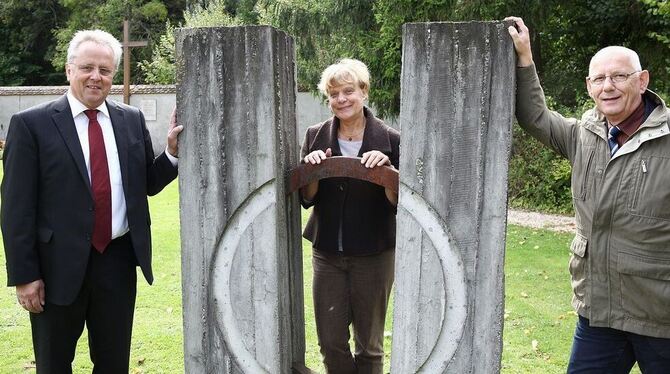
(106, 304)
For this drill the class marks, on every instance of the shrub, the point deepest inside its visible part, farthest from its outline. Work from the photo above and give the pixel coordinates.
(539, 178)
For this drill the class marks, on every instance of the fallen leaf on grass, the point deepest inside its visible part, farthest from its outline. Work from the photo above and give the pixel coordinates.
(141, 360)
(526, 331)
(536, 247)
(524, 295)
(29, 365)
(534, 344)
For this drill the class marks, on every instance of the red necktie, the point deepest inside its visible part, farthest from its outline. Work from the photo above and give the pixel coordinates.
(100, 185)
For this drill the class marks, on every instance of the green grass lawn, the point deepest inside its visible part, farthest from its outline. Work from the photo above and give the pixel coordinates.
(539, 321)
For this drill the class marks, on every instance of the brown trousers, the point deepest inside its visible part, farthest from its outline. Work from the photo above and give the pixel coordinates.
(352, 290)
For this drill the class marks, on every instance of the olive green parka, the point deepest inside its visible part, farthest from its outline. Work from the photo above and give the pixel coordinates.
(620, 261)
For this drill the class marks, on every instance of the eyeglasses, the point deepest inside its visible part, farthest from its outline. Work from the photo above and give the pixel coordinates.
(87, 69)
(599, 80)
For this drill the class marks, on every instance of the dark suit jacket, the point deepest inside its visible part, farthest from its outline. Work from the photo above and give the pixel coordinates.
(360, 207)
(47, 204)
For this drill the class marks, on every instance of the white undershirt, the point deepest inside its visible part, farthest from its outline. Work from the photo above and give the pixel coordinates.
(350, 148)
(119, 211)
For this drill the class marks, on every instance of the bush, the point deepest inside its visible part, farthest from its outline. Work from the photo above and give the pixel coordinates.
(539, 179)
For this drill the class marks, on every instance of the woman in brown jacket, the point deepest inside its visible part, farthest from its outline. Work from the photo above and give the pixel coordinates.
(352, 226)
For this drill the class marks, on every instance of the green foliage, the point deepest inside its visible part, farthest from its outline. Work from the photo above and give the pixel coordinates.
(384, 58)
(243, 10)
(147, 19)
(214, 15)
(325, 30)
(160, 69)
(27, 43)
(564, 35)
(9, 69)
(35, 33)
(367, 30)
(659, 15)
(539, 179)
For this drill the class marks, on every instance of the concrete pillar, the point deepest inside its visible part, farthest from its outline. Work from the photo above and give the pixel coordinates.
(240, 232)
(456, 112)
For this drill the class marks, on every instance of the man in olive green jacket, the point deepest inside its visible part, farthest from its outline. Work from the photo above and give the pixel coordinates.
(620, 157)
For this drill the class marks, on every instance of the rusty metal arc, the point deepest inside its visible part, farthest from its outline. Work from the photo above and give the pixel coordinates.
(339, 166)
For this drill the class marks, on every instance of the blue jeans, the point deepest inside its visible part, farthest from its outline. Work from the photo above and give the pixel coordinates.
(607, 350)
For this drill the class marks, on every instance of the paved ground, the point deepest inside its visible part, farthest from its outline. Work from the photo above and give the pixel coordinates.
(540, 220)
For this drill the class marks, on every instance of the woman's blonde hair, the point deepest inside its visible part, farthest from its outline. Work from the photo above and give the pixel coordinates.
(345, 71)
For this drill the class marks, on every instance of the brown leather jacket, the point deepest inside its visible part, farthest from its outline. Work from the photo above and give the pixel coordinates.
(360, 208)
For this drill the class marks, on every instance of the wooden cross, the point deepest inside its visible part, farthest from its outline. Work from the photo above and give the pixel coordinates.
(127, 44)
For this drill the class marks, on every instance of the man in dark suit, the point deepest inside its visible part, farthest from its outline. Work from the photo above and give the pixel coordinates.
(75, 216)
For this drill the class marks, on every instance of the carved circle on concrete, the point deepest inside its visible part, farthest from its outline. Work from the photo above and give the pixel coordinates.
(243, 217)
(455, 311)
(453, 271)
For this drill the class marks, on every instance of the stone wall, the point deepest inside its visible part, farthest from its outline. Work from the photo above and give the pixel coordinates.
(309, 109)
(156, 102)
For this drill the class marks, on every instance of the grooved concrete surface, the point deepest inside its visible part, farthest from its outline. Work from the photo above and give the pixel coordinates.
(456, 115)
(241, 259)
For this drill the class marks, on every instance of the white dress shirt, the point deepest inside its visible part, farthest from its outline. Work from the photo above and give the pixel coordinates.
(119, 212)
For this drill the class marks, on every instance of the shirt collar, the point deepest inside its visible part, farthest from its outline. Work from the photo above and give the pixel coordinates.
(77, 107)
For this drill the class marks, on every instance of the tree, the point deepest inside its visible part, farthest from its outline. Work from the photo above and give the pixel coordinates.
(659, 15)
(28, 44)
(160, 69)
(36, 32)
(147, 22)
(368, 30)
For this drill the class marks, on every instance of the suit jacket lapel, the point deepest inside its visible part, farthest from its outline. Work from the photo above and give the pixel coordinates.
(121, 136)
(65, 123)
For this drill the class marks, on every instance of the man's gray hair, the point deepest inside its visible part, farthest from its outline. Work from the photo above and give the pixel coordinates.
(97, 36)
